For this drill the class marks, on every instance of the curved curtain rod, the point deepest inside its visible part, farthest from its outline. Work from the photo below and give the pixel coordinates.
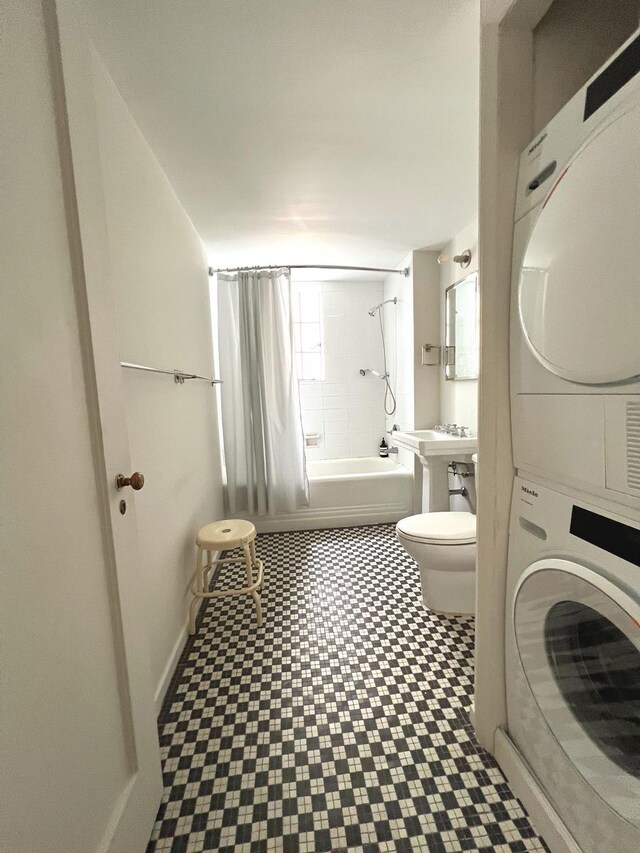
(404, 271)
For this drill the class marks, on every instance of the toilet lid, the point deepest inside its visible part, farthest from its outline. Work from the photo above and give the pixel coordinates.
(444, 528)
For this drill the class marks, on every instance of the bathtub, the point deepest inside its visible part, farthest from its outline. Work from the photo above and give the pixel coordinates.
(348, 492)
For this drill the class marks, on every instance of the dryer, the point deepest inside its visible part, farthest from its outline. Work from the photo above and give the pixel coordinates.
(573, 661)
(575, 307)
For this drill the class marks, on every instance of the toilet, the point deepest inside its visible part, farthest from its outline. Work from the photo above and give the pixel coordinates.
(443, 544)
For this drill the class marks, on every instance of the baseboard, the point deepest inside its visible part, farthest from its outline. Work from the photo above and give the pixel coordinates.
(332, 517)
(167, 675)
(174, 657)
(472, 713)
(526, 787)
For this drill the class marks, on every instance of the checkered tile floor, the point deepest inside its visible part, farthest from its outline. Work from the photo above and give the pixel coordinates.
(341, 724)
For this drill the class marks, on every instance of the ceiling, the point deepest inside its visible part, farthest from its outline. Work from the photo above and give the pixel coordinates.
(299, 131)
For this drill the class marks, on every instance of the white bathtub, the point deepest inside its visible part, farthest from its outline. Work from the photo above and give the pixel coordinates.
(348, 492)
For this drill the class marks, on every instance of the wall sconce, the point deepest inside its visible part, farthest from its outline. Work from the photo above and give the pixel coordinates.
(464, 259)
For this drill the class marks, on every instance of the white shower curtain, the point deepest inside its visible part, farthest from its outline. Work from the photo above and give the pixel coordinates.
(261, 418)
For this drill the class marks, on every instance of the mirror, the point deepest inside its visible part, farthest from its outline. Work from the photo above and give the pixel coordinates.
(461, 329)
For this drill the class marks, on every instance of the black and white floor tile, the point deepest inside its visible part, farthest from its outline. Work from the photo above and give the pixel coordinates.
(341, 724)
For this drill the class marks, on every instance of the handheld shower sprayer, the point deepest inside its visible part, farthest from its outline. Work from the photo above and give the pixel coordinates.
(365, 371)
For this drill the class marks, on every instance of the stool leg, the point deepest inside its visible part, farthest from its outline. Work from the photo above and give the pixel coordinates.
(249, 562)
(254, 559)
(256, 599)
(199, 581)
(199, 571)
(206, 575)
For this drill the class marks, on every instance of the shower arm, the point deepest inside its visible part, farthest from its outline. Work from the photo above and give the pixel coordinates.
(377, 307)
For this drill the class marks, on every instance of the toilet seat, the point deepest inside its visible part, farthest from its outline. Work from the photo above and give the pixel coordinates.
(439, 528)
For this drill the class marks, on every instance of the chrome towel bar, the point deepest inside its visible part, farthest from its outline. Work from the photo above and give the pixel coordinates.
(178, 375)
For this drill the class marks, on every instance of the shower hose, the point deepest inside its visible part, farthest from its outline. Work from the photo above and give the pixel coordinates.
(389, 396)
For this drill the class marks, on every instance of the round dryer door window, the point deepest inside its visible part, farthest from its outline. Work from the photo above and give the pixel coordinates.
(579, 292)
(578, 637)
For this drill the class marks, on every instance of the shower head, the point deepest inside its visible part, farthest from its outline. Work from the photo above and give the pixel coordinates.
(377, 307)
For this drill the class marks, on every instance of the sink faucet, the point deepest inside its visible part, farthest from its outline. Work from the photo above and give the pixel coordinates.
(453, 429)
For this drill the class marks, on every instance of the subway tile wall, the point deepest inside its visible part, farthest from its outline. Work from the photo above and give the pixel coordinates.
(346, 410)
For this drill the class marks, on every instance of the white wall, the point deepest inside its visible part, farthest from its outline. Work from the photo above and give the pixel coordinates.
(159, 271)
(426, 330)
(458, 399)
(398, 323)
(347, 408)
(61, 718)
(414, 321)
(505, 123)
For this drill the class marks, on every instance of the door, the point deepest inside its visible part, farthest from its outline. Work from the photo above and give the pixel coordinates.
(80, 764)
(578, 295)
(578, 638)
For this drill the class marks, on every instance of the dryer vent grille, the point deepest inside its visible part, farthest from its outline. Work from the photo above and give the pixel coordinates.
(633, 445)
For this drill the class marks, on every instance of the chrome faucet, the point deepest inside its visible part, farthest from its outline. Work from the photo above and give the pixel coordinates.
(453, 429)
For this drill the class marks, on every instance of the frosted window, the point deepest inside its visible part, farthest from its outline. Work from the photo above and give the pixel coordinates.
(307, 331)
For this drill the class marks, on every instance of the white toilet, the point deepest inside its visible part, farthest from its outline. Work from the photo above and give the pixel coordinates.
(443, 544)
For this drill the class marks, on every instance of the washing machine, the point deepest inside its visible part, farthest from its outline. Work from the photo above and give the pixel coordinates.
(575, 306)
(573, 660)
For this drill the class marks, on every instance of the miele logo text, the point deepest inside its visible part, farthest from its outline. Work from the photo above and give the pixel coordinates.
(529, 491)
(538, 143)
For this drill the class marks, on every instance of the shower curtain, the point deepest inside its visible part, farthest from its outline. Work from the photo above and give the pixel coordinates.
(261, 418)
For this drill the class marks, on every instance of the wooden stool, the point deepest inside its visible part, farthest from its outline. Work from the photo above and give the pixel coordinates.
(225, 536)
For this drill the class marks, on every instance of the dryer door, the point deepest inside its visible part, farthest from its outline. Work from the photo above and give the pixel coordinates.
(578, 638)
(579, 290)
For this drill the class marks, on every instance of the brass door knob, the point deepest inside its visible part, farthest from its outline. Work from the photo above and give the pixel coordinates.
(136, 481)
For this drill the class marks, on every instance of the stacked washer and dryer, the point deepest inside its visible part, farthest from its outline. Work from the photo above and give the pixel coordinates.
(573, 588)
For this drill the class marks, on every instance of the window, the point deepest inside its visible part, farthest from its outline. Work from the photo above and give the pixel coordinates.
(307, 331)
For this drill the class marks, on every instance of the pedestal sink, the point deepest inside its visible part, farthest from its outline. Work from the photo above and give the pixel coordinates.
(435, 450)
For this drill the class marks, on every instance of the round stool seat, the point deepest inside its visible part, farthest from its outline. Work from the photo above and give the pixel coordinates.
(223, 535)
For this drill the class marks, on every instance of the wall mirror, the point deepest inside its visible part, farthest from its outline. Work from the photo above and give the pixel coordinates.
(461, 329)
